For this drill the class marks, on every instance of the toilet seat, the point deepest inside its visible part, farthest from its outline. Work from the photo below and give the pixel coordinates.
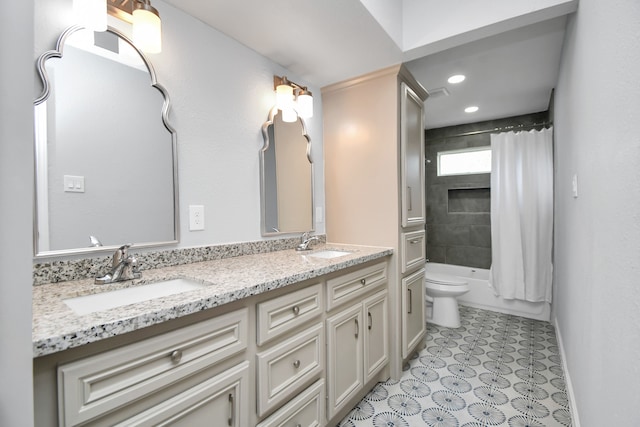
(442, 279)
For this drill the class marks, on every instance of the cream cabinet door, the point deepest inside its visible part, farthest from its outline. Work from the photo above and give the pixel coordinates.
(376, 345)
(412, 158)
(413, 312)
(345, 368)
(220, 401)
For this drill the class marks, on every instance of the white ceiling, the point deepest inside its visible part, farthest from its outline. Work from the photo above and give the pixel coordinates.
(327, 41)
(507, 74)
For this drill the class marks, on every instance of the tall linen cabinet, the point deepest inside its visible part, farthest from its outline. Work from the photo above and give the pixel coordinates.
(375, 187)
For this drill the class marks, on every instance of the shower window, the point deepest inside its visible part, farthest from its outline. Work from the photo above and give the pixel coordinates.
(465, 161)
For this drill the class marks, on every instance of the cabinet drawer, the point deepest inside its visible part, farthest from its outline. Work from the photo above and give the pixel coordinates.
(413, 250)
(283, 369)
(92, 386)
(350, 286)
(305, 410)
(284, 313)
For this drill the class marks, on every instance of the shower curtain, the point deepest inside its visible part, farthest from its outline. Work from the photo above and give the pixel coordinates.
(522, 215)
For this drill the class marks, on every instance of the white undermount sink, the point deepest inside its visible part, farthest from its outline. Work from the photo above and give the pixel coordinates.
(329, 253)
(111, 299)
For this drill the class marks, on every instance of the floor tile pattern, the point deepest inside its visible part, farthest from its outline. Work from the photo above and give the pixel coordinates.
(495, 370)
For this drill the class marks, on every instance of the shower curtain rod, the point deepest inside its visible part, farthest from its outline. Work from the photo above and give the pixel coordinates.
(494, 130)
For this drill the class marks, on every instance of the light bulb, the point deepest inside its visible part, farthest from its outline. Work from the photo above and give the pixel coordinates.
(289, 115)
(147, 29)
(91, 14)
(305, 105)
(284, 97)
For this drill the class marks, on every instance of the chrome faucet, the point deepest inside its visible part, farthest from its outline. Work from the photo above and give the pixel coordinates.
(305, 241)
(124, 267)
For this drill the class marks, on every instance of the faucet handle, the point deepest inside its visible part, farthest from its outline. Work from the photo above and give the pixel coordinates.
(304, 236)
(120, 254)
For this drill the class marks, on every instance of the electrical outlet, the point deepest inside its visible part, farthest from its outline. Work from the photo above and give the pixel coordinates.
(196, 217)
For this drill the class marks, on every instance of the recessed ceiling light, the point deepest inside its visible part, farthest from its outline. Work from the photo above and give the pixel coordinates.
(456, 79)
(471, 109)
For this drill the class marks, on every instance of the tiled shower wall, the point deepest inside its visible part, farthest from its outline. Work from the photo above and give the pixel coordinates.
(458, 218)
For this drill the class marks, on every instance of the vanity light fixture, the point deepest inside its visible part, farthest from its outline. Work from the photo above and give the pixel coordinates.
(292, 99)
(146, 27)
(91, 14)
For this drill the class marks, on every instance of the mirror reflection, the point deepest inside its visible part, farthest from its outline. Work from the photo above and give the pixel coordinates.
(287, 177)
(105, 155)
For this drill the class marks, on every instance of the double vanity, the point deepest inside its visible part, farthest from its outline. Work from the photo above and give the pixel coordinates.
(270, 339)
(247, 334)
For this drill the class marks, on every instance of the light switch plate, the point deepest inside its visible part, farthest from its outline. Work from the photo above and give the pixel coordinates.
(196, 217)
(73, 184)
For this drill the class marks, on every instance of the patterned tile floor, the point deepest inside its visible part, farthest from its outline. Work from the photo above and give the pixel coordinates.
(495, 370)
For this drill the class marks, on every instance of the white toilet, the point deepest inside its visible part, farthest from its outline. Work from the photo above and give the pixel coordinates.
(442, 290)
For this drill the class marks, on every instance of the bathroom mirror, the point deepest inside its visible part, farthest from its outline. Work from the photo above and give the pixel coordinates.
(105, 152)
(286, 173)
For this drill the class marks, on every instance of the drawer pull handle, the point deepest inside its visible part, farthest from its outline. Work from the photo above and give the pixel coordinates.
(232, 410)
(296, 363)
(296, 310)
(410, 302)
(298, 425)
(414, 241)
(363, 281)
(176, 356)
(370, 319)
(357, 328)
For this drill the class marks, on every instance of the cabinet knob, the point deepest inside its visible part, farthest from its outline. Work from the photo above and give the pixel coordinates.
(363, 281)
(296, 363)
(176, 356)
(296, 310)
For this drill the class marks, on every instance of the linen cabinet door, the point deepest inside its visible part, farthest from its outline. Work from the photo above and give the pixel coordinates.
(376, 345)
(345, 367)
(412, 158)
(413, 312)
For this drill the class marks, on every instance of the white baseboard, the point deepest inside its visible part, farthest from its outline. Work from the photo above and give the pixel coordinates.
(575, 420)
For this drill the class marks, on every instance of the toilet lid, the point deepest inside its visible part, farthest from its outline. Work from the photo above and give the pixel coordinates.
(443, 279)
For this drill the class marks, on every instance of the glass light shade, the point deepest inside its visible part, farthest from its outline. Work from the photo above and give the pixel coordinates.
(471, 109)
(289, 115)
(284, 97)
(91, 14)
(147, 31)
(305, 105)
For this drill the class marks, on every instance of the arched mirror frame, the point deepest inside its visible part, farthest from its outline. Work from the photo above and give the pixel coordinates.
(58, 52)
(263, 190)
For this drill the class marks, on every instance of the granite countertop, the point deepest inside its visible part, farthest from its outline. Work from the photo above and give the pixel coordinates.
(56, 327)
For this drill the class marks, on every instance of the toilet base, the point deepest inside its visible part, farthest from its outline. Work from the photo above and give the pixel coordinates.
(445, 312)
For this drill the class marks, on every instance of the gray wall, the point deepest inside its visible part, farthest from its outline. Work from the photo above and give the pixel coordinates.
(596, 300)
(16, 204)
(458, 218)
